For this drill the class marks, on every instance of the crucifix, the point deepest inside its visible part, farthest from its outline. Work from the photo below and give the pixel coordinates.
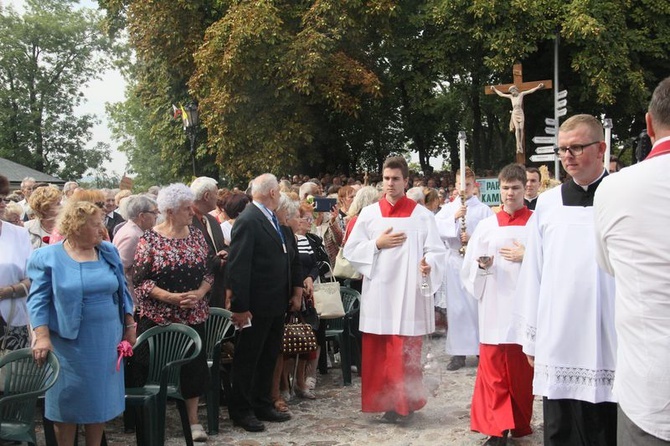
(515, 93)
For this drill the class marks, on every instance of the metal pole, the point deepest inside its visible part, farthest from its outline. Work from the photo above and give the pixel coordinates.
(607, 124)
(192, 138)
(556, 118)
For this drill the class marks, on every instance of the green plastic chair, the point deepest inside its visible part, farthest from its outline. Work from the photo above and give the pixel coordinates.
(340, 329)
(24, 381)
(170, 347)
(218, 328)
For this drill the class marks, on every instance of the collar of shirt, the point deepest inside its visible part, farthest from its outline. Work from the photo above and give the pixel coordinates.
(110, 215)
(264, 210)
(518, 218)
(575, 195)
(402, 208)
(661, 147)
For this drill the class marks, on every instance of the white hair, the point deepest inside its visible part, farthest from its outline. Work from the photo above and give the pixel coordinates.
(201, 185)
(416, 194)
(263, 184)
(364, 197)
(70, 185)
(136, 204)
(26, 180)
(173, 196)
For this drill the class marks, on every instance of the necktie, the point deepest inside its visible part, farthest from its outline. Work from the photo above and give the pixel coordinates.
(276, 225)
(205, 223)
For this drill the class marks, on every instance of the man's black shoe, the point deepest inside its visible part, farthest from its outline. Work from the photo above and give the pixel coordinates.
(497, 441)
(456, 363)
(249, 423)
(272, 414)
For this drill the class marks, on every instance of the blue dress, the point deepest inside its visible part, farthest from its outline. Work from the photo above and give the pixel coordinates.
(89, 389)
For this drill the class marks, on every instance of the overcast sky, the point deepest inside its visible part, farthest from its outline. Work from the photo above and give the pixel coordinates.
(109, 88)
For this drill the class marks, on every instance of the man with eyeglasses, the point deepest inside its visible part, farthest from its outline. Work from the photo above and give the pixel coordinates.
(632, 210)
(566, 302)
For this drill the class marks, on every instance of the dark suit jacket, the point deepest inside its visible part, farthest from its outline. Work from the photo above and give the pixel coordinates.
(217, 293)
(260, 274)
(111, 224)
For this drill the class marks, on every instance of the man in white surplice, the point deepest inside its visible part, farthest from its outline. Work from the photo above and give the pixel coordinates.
(395, 245)
(566, 302)
(462, 319)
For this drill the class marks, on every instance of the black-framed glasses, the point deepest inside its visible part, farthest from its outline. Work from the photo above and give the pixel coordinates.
(575, 149)
(155, 212)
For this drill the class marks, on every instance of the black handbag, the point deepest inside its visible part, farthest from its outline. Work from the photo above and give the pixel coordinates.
(299, 337)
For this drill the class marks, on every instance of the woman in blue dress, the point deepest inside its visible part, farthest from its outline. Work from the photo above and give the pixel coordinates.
(80, 309)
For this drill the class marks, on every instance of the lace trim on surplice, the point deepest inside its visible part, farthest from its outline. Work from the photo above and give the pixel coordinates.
(575, 376)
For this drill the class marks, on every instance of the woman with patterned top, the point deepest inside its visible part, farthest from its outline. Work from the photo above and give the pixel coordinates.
(171, 277)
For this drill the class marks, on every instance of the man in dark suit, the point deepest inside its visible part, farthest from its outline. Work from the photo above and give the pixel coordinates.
(112, 218)
(532, 187)
(264, 277)
(205, 191)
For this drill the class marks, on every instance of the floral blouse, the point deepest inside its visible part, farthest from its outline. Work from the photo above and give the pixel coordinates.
(175, 265)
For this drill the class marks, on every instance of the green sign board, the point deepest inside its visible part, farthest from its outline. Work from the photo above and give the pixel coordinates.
(489, 189)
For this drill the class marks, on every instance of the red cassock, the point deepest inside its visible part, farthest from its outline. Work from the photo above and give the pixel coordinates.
(391, 376)
(503, 395)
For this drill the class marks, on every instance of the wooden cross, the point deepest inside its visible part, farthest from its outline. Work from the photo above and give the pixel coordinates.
(517, 121)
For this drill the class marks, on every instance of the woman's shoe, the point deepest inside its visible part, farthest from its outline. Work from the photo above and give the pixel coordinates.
(310, 383)
(198, 433)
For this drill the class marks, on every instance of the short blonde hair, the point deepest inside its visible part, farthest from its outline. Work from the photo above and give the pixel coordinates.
(74, 216)
(44, 197)
(594, 125)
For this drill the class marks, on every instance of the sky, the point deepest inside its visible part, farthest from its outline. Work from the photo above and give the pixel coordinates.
(110, 88)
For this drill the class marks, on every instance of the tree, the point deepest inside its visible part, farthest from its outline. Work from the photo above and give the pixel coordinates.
(46, 56)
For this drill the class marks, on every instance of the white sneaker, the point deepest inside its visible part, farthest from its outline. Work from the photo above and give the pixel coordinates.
(198, 433)
(310, 383)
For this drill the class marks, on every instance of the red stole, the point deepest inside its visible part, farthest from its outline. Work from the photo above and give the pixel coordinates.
(518, 218)
(659, 149)
(402, 209)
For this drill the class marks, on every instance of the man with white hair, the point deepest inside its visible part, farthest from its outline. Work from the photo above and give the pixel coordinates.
(416, 194)
(265, 279)
(205, 191)
(68, 190)
(309, 188)
(27, 185)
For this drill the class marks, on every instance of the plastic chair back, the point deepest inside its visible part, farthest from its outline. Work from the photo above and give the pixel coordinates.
(218, 328)
(25, 381)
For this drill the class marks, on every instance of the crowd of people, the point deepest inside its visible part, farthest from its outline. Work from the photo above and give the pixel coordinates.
(560, 292)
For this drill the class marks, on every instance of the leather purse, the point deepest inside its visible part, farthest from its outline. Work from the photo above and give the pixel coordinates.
(299, 337)
(343, 268)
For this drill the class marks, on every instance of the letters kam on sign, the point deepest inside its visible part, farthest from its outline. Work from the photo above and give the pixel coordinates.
(489, 189)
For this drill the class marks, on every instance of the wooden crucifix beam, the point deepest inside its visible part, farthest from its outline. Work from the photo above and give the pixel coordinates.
(516, 96)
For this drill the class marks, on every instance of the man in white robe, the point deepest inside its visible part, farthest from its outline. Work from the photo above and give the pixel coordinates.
(566, 303)
(632, 214)
(502, 402)
(463, 330)
(395, 246)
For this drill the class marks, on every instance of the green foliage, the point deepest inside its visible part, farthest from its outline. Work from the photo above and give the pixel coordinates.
(46, 56)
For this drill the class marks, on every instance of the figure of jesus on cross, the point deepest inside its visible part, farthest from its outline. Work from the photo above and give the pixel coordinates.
(516, 92)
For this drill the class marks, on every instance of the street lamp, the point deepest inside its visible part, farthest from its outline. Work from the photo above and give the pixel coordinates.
(191, 127)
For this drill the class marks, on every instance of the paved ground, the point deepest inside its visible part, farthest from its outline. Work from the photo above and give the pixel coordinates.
(335, 418)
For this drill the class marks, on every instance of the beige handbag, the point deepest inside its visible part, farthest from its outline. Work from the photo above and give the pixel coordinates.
(327, 299)
(343, 268)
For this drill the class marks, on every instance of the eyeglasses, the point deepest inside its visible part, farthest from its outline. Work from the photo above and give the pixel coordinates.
(307, 219)
(155, 212)
(575, 149)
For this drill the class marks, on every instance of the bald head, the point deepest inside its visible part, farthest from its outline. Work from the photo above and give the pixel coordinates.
(265, 190)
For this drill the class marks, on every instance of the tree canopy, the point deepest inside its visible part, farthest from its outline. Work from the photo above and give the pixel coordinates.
(47, 54)
(326, 85)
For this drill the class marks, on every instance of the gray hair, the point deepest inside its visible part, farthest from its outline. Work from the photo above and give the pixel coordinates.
(203, 184)
(284, 202)
(416, 194)
(136, 204)
(70, 185)
(173, 196)
(292, 208)
(263, 184)
(27, 180)
(364, 197)
(308, 188)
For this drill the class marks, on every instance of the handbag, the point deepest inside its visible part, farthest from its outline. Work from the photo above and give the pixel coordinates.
(327, 300)
(343, 268)
(299, 337)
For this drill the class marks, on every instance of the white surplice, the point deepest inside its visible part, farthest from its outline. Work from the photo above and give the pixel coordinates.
(392, 303)
(463, 331)
(566, 304)
(496, 292)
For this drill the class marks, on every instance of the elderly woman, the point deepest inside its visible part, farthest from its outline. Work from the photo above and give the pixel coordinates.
(14, 284)
(45, 204)
(80, 308)
(13, 213)
(171, 277)
(142, 212)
